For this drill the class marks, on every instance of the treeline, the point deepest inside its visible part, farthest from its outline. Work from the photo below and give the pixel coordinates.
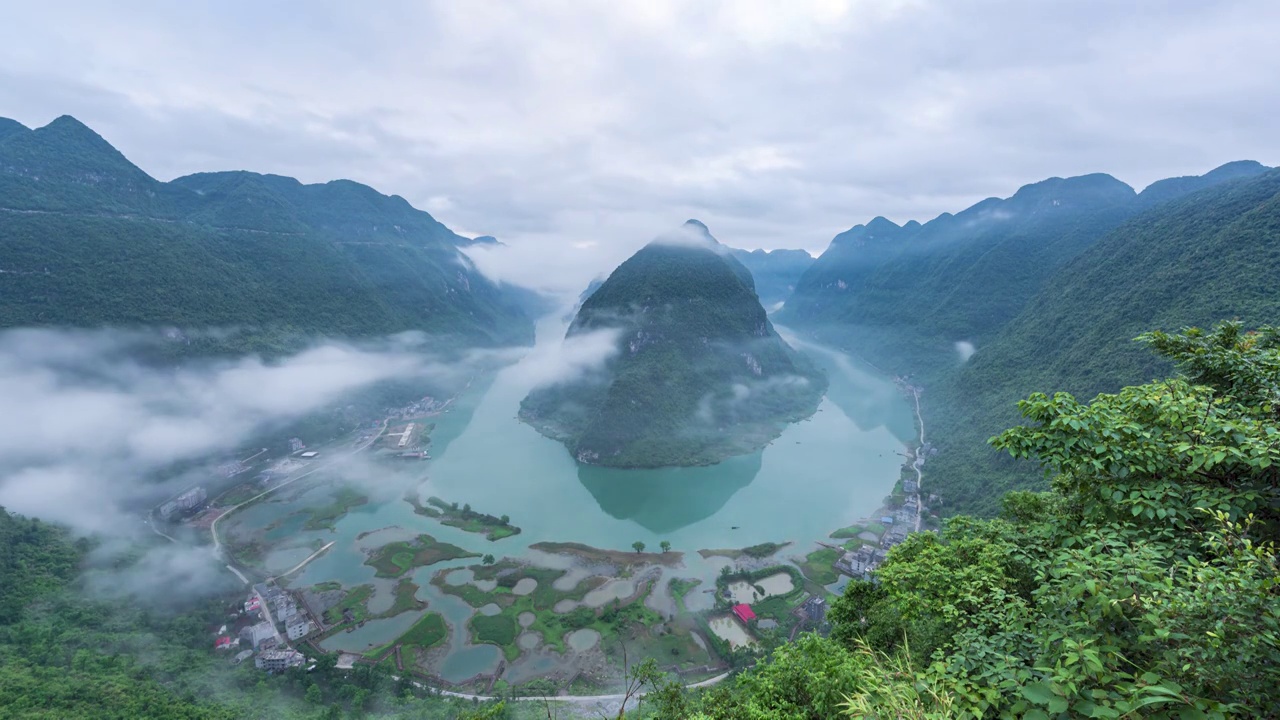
(65, 656)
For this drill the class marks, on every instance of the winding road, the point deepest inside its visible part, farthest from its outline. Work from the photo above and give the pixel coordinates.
(213, 527)
(298, 567)
(915, 393)
(576, 699)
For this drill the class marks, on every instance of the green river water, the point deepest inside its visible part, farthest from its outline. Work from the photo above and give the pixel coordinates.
(819, 475)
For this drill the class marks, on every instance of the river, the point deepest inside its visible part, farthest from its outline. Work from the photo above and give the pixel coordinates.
(819, 475)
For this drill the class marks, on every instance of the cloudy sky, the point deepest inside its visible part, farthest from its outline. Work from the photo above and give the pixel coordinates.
(588, 127)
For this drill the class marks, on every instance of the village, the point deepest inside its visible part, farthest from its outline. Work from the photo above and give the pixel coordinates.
(900, 518)
(256, 630)
(759, 601)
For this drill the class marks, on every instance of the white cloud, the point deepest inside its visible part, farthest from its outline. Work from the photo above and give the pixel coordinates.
(777, 122)
(86, 429)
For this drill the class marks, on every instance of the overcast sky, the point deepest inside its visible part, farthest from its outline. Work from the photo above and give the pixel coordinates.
(589, 127)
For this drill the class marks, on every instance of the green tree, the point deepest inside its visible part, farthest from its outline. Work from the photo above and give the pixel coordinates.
(639, 546)
(488, 560)
(665, 545)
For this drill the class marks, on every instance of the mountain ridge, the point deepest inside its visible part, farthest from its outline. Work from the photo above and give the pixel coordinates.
(92, 240)
(699, 373)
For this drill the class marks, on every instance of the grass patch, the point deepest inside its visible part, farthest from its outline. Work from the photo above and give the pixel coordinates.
(355, 600)
(326, 586)
(474, 596)
(852, 531)
(464, 518)
(681, 587)
(500, 629)
(621, 558)
(763, 550)
(430, 630)
(397, 558)
(817, 566)
(491, 572)
(503, 629)
(406, 599)
(323, 518)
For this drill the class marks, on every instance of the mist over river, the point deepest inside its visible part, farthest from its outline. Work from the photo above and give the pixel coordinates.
(819, 475)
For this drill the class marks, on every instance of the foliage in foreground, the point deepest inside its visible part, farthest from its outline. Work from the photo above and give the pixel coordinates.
(1145, 584)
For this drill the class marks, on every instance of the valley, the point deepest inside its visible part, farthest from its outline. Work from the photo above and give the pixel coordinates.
(585, 576)
(385, 366)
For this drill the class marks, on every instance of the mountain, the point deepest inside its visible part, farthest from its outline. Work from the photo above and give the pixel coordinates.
(775, 272)
(699, 373)
(905, 296)
(1208, 256)
(89, 239)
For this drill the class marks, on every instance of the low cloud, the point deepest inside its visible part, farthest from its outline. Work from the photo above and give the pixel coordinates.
(92, 438)
(965, 350)
(578, 356)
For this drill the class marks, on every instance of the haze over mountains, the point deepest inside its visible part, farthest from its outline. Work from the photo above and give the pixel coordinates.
(90, 239)
(699, 374)
(1042, 291)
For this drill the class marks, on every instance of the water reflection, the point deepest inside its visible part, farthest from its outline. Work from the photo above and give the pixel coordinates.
(868, 400)
(667, 499)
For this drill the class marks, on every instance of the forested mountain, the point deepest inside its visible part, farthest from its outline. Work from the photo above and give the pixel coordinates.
(904, 296)
(699, 375)
(775, 272)
(89, 239)
(1211, 255)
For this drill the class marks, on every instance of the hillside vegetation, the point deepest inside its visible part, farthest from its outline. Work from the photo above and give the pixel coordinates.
(90, 240)
(902, 297)
(1145, 584)
(1214, 254)
(699, 375)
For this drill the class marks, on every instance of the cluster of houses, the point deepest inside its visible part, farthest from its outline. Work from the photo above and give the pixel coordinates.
(267, 603)
(862, 562)
(230, 468)
(422, 407)
(285, 611)
(184, 503)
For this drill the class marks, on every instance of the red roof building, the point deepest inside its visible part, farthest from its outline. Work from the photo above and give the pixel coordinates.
(222, 643)
(744, 613)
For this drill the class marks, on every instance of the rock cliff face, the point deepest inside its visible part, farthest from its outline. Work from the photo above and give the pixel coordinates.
(699, 373)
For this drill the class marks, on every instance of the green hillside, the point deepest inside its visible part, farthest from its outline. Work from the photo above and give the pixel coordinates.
(904, 296)
(88, 239)
(700, 374)
(1144, 585)
(1209, 256)
(775, 272)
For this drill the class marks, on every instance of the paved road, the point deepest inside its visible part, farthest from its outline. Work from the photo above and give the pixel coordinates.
(915, 392)
(213, 527)
(577, 699)
(156, 530)
(298, 567)
(266, 615)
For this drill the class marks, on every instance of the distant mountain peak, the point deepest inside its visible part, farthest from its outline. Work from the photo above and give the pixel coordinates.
(693, 234)
(1169, 188)
(882, 224)
(11, 127)
(698, 373)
